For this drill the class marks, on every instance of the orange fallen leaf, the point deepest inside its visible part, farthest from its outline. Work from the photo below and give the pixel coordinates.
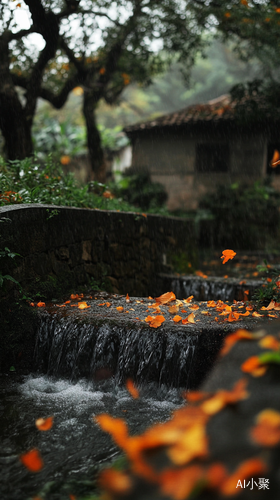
(194, 307)
(82, 305)
(119, 308)
(173, 309)
(227, 254)
(67, 302)
(233, 316)
(44, 424)
(177, 318)
(222, 398)
(32, 460)
(206, 313)
(73, 296)
(201, 274)
(194, 396)
(155, 321)
(178, 484)
(127, 298)
(166, 298)
(189, 319)
(231, 339)
(211, 303)
(269, 342)
(275, 159)
(267, 429)
(188, 300)
(255, 314)
(41, 304)
(247, 469)
(253, 366)
(115, 481)
(132, 389)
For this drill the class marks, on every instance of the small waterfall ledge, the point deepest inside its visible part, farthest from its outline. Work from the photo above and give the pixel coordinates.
(111, 339)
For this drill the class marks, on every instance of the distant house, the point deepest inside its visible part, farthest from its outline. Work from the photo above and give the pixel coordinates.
(193, 150)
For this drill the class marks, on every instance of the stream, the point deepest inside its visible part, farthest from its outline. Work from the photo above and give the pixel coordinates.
(75, 448)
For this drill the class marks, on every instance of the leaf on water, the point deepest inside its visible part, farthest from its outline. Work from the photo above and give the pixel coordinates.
(267, 429)
(227, 254)
(166, 298)
(132, 389)
(32, 460)
(44, 424)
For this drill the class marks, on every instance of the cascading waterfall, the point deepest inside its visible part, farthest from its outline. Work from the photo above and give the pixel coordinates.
(76, 350)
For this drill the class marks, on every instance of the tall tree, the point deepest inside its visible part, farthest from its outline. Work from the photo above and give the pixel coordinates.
(100, 46)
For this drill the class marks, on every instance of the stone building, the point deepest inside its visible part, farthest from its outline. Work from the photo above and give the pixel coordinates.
(193, 150)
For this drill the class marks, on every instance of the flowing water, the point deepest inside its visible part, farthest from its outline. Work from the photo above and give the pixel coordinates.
(75, 447)
(80, 372)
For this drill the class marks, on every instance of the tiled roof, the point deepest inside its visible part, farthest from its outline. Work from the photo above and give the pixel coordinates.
(221, 108)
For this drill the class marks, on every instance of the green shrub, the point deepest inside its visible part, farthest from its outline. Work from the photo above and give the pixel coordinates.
(245, 217)
(27, 181)
(139, 190)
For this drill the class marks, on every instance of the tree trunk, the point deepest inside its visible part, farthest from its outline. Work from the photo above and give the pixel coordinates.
(96, 154)
(15, 126)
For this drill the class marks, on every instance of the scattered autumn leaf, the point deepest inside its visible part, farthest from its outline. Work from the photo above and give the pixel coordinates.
(275, 159)
(166, 298)
(194, 307)
(132, 389)
(44, 424)
(119, 308)
(269, 342)
(115, 481)
(227, 254)
(177, 318)
(32, 460)
(155, 321)
(178, 484)
(247, 469)
(222, 398)
(188, 300)
(211, 303)
(254, 366)
(231, 339)
(82, 305)
(189, 319)
(267, 429)
(41, 304)
(173, 309)
(127, 298)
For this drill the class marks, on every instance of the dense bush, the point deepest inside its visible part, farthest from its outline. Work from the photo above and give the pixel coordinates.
(139, 190)
(27, 181)
(244, 217)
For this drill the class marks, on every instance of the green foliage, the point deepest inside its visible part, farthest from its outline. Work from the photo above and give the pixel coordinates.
(183, 262)
(61, 138)
(139, 190)
(245, 217)
(6, 254)
(47, 184)
(270, 289)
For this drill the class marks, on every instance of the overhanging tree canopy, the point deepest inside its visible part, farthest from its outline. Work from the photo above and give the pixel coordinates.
(99, 45)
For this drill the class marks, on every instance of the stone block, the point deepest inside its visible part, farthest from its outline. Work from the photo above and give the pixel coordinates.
(62, 253)
(86, 251)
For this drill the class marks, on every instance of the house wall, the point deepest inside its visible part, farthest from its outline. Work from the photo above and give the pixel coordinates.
(170, 157)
